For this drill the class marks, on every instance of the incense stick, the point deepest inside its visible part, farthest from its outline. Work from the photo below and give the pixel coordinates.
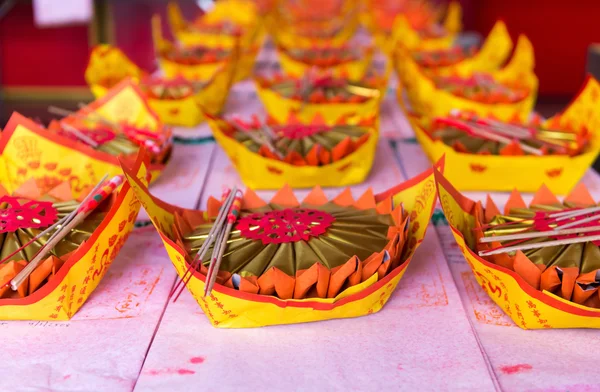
(80, 135)
(538, 245)
(573, 213)
(579, 222)
(256, 139)
(538, 234)
(227, 200)
(211, 277)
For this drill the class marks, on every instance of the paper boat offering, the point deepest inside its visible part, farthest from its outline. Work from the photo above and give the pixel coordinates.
(55, 248)
(286, 261)
(313, 93)
(487, 154)
(87, 144)
(200, 62)
(540, 263)
(177, 101)
(504, 93)
(425, 28)
(348, 61)
(270, 155)
(458, 60)
(227, 24)
(314, 23)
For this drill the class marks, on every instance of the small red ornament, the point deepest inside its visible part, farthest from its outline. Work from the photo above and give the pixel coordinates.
(31, 214)
(283, 226)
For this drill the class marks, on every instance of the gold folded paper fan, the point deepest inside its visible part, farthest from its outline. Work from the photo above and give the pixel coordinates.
(552, 245)
(25, 215)
(314, 144)
(313, 88)
(467, 133)
(313, 249)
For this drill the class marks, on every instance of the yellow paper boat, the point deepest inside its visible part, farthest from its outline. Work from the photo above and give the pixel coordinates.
(30, 151)
(260, 172)
(203, 71)
(528, 307)
(560, 173)
(290, 34)
(425, 98)
(493, 54)
(65, 292)
(230, 308)
(241, 13)
(401, 31)
(354, 69)
(104, 62)
(280, 108)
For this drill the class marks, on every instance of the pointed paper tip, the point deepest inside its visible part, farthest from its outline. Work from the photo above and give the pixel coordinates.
(491, 210)
(345, 198)
(293, 118)
(544, 196)
(29, 190)
(580, 195)
(285, 197)
(62, 192)
(316, 197)
(514, 201)
(318, 119)
(252, 200)
(366, 200)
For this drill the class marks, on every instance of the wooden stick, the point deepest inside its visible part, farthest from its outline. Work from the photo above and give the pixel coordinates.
(219, 249)
(60, 111)
(579, 222)
(212, 277)
(574, 213)
(228, 200)
(538, 245)
(257, 140)
(538, 234)
(499, 138)
(80, 135)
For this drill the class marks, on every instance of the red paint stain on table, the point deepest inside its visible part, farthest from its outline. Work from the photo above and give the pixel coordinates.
(515, 368)
(165, 372)
(196, 360)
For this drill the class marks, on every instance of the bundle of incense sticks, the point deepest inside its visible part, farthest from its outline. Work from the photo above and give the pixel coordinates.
(560, 240)
(475, 135)
(443, 57)
(299, 144)
(216, 239)
(314, 88)
(325, 56)
(481, 88)
(108, 136)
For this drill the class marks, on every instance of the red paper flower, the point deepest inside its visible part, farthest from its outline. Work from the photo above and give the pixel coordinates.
(30, 215)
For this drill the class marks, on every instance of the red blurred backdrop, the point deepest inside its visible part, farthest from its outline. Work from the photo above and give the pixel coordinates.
(30, 57)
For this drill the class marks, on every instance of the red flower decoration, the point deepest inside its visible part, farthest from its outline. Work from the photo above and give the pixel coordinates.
(30, 215)
(289, 225)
